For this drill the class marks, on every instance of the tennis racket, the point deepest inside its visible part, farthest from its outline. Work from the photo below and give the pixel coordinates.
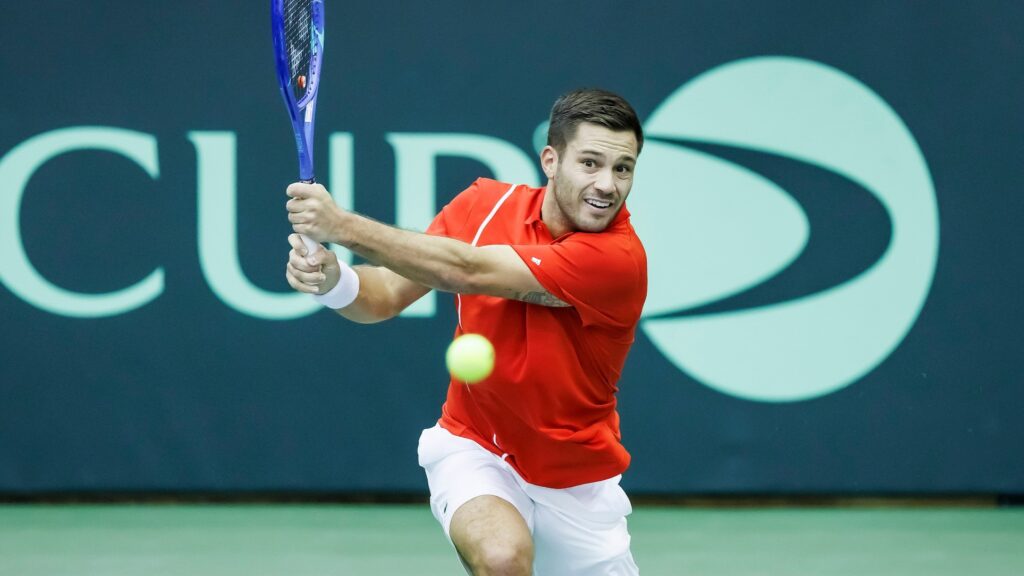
(298, 30)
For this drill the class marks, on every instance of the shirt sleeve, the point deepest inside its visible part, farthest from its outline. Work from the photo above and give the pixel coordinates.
(603, 276)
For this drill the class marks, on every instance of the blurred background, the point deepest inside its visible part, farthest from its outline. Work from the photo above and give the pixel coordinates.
(829, 196)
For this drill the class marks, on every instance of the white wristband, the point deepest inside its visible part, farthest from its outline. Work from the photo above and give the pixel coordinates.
(344, 293)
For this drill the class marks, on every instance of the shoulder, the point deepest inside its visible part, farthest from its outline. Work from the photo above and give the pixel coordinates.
(484, 194)
(471, 206)
(485, 188)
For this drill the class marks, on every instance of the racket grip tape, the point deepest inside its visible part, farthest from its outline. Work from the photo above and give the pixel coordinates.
(311, 246)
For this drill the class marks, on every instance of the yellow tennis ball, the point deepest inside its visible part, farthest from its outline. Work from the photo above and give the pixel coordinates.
(470, 358)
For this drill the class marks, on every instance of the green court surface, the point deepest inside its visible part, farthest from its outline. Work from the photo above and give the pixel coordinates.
(381, 540)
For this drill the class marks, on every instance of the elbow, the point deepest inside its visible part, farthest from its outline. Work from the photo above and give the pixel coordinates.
(371, 313)
(362, 316)
(457, 281)
(365, 319)
(464, 275)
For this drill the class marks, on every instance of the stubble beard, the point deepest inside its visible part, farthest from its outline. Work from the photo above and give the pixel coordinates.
(570, 204)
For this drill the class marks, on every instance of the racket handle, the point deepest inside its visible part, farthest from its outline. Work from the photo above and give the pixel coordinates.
(311, 246)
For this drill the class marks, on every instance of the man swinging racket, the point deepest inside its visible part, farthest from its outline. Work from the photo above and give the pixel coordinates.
(523, 467)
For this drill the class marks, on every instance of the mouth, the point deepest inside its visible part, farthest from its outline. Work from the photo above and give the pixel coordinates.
(598, 204)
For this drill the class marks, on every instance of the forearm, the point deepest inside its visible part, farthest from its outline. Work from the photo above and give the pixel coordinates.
(416, 262)
(379, 297)
(436, 262)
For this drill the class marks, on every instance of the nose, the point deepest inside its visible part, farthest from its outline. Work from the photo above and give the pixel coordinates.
(605, 182)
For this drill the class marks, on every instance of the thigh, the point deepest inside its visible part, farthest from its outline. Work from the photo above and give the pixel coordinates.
(563, 547)
(582, 531)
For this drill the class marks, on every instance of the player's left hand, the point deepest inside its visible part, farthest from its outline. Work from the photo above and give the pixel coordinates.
(312, 211)
(315, 273)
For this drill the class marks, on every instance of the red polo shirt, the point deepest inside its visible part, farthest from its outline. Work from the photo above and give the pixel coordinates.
(549, 405)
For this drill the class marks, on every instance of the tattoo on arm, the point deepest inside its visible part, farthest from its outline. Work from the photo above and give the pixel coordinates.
(540, 298)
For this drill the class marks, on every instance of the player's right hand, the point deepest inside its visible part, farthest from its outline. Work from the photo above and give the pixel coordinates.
(314, 273)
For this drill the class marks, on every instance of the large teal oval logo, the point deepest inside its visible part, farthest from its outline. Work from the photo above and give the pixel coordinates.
(713, 228)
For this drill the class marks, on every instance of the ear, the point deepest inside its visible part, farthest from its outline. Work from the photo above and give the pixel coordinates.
(549, 161)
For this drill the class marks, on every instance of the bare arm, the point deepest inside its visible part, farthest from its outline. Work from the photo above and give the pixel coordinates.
(382, 295)
(432, 261)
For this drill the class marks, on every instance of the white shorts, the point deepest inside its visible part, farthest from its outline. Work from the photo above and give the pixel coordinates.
(576, 531)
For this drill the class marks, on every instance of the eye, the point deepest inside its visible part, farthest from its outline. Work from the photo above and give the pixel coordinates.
(589, 163)
(624, 169)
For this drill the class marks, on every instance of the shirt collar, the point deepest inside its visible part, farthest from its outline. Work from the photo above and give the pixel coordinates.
(533, 214)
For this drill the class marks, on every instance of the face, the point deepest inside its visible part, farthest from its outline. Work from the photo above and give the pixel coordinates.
(589, 182)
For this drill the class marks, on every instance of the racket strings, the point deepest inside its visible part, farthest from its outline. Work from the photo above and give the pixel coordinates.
(298, 24)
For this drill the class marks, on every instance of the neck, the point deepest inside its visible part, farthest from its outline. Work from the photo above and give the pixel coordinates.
(552, 215)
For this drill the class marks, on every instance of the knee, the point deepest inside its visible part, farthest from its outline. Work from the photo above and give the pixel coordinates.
(498, 558)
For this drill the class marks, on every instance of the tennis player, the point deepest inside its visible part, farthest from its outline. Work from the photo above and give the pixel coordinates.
(524, 467)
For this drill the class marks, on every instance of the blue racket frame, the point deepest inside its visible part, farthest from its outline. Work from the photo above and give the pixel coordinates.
(303, 110)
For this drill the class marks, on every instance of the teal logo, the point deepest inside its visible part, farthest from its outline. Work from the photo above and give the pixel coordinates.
(714, 228)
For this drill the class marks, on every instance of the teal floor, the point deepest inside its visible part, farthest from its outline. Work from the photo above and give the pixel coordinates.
(295, 540)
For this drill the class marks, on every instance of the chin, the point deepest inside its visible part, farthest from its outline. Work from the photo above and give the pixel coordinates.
(593, 225)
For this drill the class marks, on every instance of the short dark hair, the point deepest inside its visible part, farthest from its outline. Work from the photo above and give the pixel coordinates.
(595, 106)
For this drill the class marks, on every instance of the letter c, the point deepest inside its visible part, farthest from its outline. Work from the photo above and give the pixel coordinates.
(16, 271)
